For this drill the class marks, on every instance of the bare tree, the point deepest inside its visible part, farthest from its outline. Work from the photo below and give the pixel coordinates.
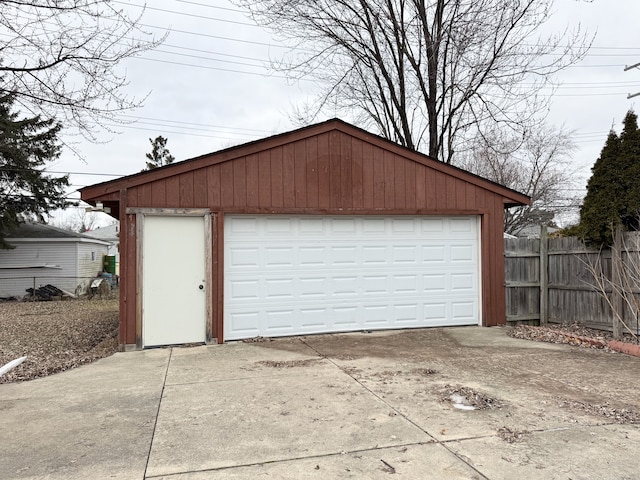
(538, 165)
(619, 285)
(60, 59)
(77, 219)
(428, 74)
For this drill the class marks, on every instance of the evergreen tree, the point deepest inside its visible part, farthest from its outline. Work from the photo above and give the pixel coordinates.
(159, 155)
(26, 146)
(613, 191)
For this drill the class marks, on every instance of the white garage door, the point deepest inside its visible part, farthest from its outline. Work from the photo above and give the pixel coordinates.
(289, 275)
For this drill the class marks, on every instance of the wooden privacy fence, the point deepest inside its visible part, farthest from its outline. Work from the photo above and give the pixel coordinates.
(552, 280)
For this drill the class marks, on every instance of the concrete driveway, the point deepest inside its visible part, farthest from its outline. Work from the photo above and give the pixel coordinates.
(332, 406)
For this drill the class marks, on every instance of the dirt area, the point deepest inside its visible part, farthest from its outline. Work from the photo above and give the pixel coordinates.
(56, 336)
(289, 363)
(570, 334)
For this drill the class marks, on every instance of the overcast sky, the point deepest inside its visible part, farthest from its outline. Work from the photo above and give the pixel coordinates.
(209, 86)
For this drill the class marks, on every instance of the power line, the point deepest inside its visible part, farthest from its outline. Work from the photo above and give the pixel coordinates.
(206, 67)
(175, 12)
(200, 57)
(210, 6)
(192, 128)
(219, 37)
(115, 125)
(212, 52)
(66, 173)
(136, 117)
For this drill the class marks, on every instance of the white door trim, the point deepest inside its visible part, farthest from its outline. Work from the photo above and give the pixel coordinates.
(140, 214)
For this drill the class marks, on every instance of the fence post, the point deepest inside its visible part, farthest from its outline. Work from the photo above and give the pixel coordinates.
(616, 284)
(544, 275)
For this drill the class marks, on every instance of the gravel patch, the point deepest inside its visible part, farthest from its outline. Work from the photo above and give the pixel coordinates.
(56, 336)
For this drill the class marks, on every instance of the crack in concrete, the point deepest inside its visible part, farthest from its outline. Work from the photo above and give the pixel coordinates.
(155, 423)
(435, 440)
(221, 380)
(307, 457)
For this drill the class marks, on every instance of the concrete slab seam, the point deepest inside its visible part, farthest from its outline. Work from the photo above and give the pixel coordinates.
(456, 455)
(235, 379)
(538, 430)
(155, 423)
(307, 457)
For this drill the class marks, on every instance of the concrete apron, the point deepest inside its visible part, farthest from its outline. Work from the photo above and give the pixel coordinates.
(330, 406)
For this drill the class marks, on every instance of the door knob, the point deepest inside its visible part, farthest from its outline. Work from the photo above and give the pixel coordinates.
(201, 287)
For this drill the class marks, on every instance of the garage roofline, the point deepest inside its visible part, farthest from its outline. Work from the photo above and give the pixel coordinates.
(110, 190)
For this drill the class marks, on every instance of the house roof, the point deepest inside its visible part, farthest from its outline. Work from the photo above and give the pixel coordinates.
(109, 190)
(109, 233)
(39, 231)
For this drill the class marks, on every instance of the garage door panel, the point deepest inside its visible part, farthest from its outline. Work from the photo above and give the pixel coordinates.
(313, 319)
(464, 225)
(374, 255)
(434, 283)
(244, 324)
(244, 257)
(346, 255)
(406, 314)
(279, 289)
(280, 320)
(376, 315)
(345, 317)
(435, 312)
(279, 256)
(312, 287)
(463, 283)
(462, 253)
(290, 275)
(433, 226)
(463, 310)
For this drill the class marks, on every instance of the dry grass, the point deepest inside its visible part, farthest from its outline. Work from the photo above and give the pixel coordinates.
(56, 336)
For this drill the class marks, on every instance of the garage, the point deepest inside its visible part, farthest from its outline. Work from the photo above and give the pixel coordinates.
(327, 228)
(290, 275)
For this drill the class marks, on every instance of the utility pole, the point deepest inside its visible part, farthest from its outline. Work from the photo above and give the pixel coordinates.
(629, 67)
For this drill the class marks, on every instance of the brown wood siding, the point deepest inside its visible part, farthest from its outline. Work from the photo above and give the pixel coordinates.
(213, 185)
(173, 192)
(187, 187)
(277, 192)
(329, 173)
(324, 168)
(239, 182)
(252, 181)
(200, 187)
(312, 175)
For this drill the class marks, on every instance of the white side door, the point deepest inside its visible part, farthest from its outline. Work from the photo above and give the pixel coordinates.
(173, 280)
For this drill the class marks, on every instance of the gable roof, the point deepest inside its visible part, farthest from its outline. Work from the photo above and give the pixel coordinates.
(39, 231)
(108, 233)
(109, 190)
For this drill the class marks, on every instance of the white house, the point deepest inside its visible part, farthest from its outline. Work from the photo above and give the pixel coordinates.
(109, 234)
(48, 255)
